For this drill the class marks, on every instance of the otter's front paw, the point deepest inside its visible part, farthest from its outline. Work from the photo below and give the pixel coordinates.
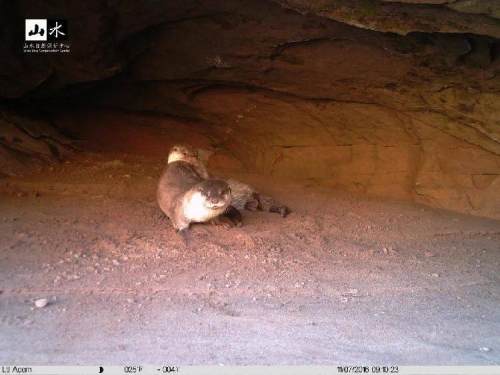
(185, 236)
(224, 221)
(234, 215)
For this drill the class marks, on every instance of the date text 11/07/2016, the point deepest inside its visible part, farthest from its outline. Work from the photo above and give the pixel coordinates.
(367, 369)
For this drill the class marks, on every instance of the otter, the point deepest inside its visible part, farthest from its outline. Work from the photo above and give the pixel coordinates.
(244, 196)
(186, 197)
(188, 155)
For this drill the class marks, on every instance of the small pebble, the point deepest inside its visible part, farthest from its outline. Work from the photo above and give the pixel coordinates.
(42, 302)
(484, 349)
(435, 274)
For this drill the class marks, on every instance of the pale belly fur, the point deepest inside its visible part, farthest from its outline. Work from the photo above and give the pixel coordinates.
(196, 211)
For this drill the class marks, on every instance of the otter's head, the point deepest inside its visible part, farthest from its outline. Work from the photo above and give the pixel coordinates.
(216, 194)
(183, 153)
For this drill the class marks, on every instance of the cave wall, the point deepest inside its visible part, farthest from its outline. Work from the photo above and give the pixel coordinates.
(286, 89)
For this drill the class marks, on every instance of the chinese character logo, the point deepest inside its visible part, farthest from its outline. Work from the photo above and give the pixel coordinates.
(46, 30)
(36, 29)
(58, 30)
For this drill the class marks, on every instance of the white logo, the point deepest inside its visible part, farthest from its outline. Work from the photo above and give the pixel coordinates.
(55, 30)
(36, 29)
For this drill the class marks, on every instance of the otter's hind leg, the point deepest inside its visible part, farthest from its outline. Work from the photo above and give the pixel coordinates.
(269, 204)
(253, 203)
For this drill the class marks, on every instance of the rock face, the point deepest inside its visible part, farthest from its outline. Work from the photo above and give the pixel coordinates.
(285, 90)
(27, 142)
(402, 17)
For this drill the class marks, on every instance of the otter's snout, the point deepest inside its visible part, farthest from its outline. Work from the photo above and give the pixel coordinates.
(217, 193)
(218, 200)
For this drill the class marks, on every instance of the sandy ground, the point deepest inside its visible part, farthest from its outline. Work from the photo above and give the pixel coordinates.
(342, 280)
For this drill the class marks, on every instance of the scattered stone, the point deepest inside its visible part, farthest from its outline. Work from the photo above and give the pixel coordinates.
(428, 254)
(115, 262)
(130, 300)
(113, 164)
(42, 302)
(435, 274)
(484, 349)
